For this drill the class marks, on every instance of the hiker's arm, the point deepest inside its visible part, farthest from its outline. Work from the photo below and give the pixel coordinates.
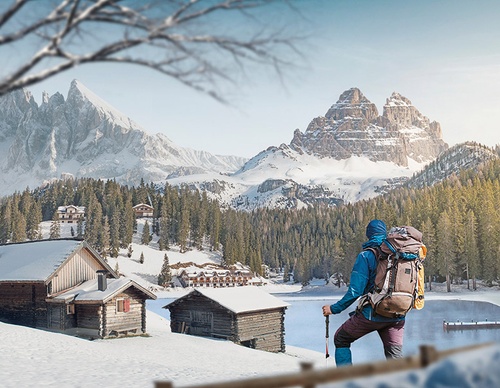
(357, 285)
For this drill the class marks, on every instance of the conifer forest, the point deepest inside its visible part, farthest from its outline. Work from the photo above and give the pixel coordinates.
(459, 219)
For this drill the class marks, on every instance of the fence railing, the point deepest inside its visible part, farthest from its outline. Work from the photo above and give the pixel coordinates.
(309, 377)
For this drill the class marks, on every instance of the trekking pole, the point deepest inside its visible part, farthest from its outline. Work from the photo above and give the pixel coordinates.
(327, 324)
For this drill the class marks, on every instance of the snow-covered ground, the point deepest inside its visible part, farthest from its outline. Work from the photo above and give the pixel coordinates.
(33, 357)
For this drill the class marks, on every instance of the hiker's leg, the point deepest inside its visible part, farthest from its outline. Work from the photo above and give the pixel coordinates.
(392, 338)
(352, 329)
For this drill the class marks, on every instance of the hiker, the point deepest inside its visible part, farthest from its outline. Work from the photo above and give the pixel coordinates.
(363, 320)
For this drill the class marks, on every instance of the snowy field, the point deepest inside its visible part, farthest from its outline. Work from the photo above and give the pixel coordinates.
(36, 358)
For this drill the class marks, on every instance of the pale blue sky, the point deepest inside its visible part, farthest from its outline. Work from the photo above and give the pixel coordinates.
(444, 55)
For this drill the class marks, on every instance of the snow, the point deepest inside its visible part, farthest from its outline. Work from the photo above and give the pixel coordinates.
(41, 358)
(242, 299)
(88, 291)
(16, 261)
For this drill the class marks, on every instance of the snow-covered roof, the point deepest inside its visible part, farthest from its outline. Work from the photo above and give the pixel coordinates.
(239, 299)
(36, 260)
(88, 291)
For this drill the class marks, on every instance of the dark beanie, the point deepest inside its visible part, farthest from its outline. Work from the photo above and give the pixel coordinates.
(375, 227)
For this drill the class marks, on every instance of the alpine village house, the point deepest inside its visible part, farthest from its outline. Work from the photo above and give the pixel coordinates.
(247, 316)
(65, 286)
(70, 214)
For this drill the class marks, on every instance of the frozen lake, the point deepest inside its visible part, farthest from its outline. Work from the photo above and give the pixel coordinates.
(305, 325)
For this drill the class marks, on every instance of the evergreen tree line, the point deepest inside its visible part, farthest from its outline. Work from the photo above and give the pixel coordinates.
(459, 219)
(181, 217)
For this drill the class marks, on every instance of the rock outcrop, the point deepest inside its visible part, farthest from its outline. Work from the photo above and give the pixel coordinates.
(353, 127)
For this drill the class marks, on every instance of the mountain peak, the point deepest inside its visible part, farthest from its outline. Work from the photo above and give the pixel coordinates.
(352, 127)
(397, 99)
(83, 98)
(352, 104)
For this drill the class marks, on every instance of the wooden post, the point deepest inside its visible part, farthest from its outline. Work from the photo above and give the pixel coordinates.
(304, 367)
(428, 355)
(164, 384)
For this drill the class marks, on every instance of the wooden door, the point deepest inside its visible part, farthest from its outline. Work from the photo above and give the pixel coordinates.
(202, 323)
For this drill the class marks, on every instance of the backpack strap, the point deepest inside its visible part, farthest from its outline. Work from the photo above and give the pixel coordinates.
(376, 251)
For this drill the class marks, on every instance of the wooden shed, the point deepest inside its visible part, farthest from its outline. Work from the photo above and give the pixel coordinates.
(64, 285)
(247, 316)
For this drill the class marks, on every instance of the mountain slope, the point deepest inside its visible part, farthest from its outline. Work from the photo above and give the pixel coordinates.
(347, 155)
(464, 156)
(83, 136)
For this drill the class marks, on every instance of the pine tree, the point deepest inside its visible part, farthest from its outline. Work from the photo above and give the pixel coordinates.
(165, 276)
(79, 227)
(104, 239)
(445, 245)
(129, 251)
(163, 234)
(141, 258)
(471, 253)
(55, 227)
(18, 227)
(146, 236)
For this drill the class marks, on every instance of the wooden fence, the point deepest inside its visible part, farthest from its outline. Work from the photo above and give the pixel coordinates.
(308, 377)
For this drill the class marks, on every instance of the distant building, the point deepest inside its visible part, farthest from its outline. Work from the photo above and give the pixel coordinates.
(143, 210)
(65, 286)
(215, 278)
(70, 214)
(247, 316)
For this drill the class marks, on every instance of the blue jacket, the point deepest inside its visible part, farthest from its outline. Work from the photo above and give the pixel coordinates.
(362, 281)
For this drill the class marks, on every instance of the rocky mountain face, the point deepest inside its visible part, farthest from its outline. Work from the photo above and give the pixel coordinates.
(83, 136)
(353, 127)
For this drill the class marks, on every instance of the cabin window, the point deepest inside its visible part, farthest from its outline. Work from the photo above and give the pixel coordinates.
(70, 309)
(122, 305)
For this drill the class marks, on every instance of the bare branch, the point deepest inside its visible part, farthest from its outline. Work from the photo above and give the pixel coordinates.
(174, 42)
(11, 11)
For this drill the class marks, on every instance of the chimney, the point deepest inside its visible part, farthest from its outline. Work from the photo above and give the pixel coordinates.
(102, 283)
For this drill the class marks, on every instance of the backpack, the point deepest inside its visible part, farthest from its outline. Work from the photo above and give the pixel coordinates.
(399, 274)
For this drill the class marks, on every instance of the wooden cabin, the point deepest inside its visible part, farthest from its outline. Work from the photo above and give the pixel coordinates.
(65, 286)
(247, 316)
(143, 210)
(70, 214)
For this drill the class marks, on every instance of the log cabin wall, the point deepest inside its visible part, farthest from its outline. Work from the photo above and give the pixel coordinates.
(23, 303)
(88, 316)
(132, 321)
(82, 266)
(60, 317)
(263, 330)
(198, 315)
(201, 316)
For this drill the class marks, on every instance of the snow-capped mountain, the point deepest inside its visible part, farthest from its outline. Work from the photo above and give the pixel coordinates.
(83, 136)
(347, 155)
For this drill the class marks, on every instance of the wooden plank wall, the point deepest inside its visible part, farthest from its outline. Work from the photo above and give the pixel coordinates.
(130, 322)
(23, 303)
(264, 329)
(88, 316)
(81, 267)
(223, 321)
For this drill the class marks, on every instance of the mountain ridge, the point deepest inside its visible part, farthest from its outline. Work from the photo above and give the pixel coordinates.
(349, 154)
(84, 136)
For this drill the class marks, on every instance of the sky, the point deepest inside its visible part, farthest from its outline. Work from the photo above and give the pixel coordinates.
(442, 55)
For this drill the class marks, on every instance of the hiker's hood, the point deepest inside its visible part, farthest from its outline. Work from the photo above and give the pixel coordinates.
(374, 228)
